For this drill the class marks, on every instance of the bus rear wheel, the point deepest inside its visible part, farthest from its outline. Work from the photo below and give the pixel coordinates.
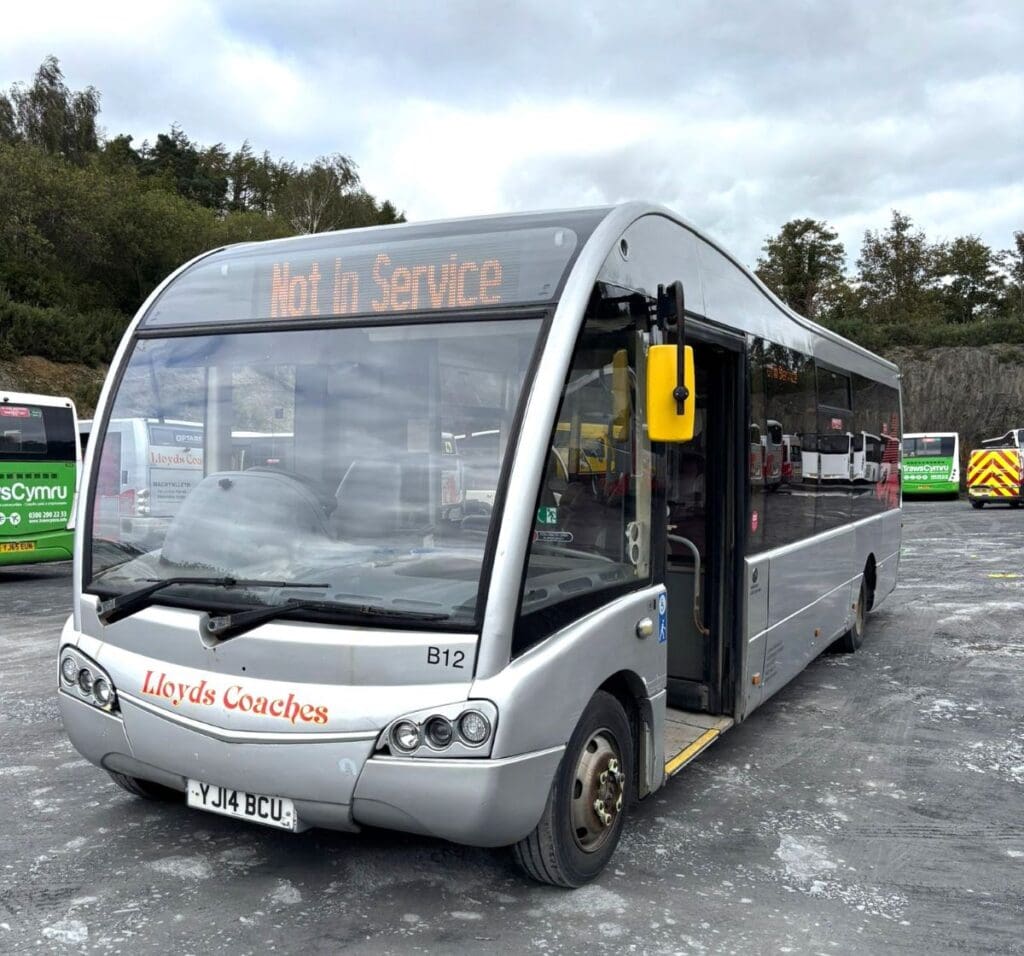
(854, 637)
(586, 806)
(146, 789)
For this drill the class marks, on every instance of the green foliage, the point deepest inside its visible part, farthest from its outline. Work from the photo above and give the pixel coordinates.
(971, 283)
(1011, 261)
(897, 277)
(906, 291)
(58, 334)
(90, 227)
(186, 168)
(804, 265)
(48, 115)
(880, 337)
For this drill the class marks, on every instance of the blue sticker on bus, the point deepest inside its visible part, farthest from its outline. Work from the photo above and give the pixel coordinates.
(662, 618)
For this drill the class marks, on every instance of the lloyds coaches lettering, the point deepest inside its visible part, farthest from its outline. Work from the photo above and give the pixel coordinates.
(455, 283)
(235, 698)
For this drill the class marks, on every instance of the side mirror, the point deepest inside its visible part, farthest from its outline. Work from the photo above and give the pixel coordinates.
(664, 423)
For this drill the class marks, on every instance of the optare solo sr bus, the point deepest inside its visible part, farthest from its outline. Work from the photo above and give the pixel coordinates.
(522, 560)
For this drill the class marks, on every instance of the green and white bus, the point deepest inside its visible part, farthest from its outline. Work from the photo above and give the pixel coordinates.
(39, 463)
(931, 463)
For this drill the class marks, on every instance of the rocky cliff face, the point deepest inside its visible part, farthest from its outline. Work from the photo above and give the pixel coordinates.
(30, 373)
(978, 392)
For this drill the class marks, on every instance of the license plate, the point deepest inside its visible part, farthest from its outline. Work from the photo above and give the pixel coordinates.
(8, 546)
(270, 811)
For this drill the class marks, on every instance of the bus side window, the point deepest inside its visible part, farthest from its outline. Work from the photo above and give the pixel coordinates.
(790, 397)
(591, 531)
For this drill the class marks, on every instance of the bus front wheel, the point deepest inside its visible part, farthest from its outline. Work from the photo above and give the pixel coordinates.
(586, 806)
(854, 637)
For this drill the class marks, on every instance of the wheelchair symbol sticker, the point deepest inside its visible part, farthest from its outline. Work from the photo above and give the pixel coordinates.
(662, 618)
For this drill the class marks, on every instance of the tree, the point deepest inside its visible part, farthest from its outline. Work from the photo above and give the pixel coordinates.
(195, 173)
(897, 274)
(88, 228)
(968, 273)
(48, 115)
(118, 153)
(315, 198)
(803, 264)
(1012, 263)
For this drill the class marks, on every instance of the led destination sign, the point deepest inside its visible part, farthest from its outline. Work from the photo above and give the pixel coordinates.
(323, 276)
(455, 284)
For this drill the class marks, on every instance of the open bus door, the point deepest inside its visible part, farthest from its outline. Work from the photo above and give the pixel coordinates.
(704, 482)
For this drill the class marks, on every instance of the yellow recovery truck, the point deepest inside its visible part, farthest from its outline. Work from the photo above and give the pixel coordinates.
(994, 475)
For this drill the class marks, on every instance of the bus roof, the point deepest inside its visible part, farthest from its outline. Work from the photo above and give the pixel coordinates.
(31, 398)
(521, 259)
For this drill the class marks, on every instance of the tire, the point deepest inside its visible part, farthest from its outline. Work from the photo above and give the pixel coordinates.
(978, 504)
(854, 637)
(1014, 504)
(575, 838)
(144, 788)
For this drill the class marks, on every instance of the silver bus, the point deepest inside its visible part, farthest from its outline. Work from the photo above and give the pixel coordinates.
(319, 642)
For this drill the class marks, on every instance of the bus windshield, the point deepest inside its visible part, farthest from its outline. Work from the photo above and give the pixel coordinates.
(36, 433)
(326, 455)
(929, 447)
(833, 444)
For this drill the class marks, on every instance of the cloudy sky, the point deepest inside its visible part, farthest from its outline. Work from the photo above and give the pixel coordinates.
(738, 115)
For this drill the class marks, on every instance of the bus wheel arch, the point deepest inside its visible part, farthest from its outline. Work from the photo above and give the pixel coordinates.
(586, 807)
(870, 579)
(629, 690)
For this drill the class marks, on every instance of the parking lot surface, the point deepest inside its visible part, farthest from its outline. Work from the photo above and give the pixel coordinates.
(876, 804)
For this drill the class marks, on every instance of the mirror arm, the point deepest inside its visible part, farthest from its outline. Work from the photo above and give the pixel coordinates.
(680, 393)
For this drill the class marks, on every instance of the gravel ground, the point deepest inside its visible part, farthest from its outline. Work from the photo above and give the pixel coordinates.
(874, 805)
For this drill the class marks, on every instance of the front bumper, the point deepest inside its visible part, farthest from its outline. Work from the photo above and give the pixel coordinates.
(49, 546)
(477, 802)
(931, 488)
(335, 783)
(995, 492)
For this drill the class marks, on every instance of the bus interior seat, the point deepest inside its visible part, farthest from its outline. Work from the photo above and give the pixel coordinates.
(275, 508)
(588, 518)
(322, 494)
(368, 500)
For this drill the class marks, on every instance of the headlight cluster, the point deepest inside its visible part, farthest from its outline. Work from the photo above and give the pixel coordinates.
(86, 679)
(456, 730)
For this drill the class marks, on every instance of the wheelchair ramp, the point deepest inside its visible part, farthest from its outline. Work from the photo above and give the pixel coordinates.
(689, 733)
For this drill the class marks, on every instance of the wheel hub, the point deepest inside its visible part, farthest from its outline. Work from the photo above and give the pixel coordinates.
(598, 791)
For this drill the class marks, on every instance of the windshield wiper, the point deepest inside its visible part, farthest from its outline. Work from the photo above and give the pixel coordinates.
(231, 625)
(123, 605)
